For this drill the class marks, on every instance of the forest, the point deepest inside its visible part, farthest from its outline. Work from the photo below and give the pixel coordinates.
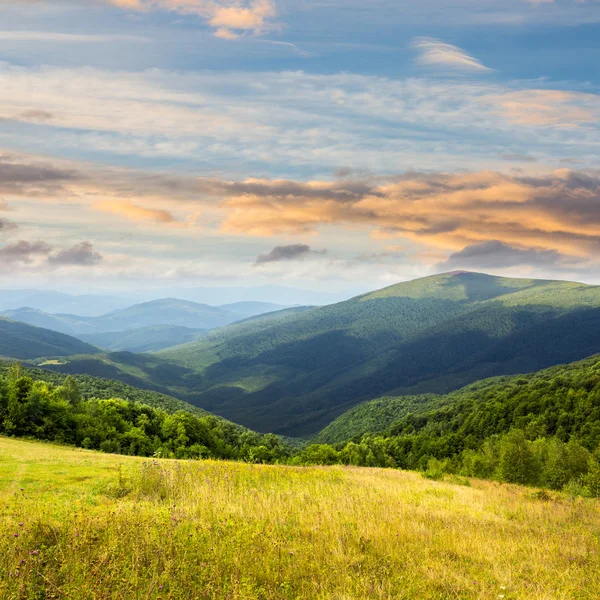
(541, 429)
(38, 409)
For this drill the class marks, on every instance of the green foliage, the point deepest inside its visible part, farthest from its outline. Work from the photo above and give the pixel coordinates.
(59, 413)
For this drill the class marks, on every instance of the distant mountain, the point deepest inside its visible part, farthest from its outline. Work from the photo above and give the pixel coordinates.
(245, 310)
(145, 339)
(295, 374)
(22, 341)
(171, 311)
(89, 305)
(63, 323)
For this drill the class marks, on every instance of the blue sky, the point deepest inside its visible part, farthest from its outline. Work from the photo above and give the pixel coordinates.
(173, 142)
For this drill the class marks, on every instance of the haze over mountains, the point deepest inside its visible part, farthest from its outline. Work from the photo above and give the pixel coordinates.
(294, 371)
(168, 311)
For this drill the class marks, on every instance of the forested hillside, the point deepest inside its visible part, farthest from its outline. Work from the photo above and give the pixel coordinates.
(18, 340)
(540, 429)
(297, 373)
(101, 388)
(145, 339)
(40, 409)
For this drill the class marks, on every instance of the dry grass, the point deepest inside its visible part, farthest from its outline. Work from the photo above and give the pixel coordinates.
(81, 525)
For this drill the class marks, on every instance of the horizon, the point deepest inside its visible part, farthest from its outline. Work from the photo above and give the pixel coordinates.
(158, 144)
(258, 294)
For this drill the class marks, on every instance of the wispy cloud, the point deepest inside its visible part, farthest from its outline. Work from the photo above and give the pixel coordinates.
(50, 36)
(435, 53)
(550, 108)
(287, 120)
(134, 212)
(228, 18)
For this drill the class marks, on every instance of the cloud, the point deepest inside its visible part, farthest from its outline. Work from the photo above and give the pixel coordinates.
(434, 52)
(290, 120)
(6, 225)
(228, 18)
(36, 115)
(549, 108)
(23, 252)
(443, 213)
(291, 252)
(498, 255)
(559, 211)
(21, 175)
(82, 255)
(134, 212)
(51, 36)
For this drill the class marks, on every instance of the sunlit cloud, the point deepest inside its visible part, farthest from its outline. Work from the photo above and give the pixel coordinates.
(134, 212)
(228, 18)
(435, 53)
(550, 108)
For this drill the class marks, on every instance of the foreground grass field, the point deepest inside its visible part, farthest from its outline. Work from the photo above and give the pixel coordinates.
(82, 525)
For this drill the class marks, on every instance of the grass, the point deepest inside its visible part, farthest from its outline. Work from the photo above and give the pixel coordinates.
(81, 525)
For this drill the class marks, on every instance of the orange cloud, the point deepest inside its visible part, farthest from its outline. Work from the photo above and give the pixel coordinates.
(447, 212)
(134, 212)
(442, 212)
(548, 107)
(228, 17)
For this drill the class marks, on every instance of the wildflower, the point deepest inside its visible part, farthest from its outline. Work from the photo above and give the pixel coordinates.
(16, 535)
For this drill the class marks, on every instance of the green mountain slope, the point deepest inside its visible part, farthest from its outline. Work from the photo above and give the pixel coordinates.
(297, 373)
(375, 416)
(145, 339)
(22, 341)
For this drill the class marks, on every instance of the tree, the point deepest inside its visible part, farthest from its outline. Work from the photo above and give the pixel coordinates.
(517, 461)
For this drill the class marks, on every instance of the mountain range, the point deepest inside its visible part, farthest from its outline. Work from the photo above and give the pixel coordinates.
(168, 312)
(295, 371)
(294, 375)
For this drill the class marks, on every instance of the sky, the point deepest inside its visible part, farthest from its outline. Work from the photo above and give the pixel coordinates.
(319, 144)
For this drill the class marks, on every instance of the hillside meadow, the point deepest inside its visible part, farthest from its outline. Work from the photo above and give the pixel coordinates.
(76, 524)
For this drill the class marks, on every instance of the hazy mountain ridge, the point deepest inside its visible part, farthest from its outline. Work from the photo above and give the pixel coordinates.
(22, 341)
(169, 311)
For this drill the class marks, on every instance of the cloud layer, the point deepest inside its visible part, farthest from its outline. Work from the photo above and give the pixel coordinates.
(481, 218)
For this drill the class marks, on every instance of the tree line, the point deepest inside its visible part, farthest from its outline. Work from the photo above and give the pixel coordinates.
(38, 409)
(541, 430)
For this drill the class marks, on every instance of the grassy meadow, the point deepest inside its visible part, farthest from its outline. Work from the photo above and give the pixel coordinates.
(83, 525)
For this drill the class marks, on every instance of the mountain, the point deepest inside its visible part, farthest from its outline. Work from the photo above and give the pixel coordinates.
(89, 305)
(491, 405)
(26, 342)
(63, 323)
(170, 311)
(559, 404)
(145, 339)
(245, 310)
(297, 373)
